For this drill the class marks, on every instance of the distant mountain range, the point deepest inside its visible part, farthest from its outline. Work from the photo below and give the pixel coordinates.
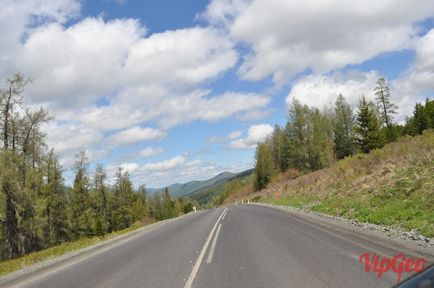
(202, 191)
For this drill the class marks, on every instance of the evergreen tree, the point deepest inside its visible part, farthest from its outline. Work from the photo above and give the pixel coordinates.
(36, 209)
(264, 168)
(423, 118)
(156, 208)
(10, 187)
(298, 130)
(141, 207)
(320, 146)
(385, 107)
(277, 148)
(369, 135)
(287, 148)
(101, 200)
(343, 124)
(80, 201)
(123, 195)
(168, 205)
(10, 98)
(56, 227)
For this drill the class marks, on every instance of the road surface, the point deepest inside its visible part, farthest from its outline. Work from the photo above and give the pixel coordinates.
(239, 246)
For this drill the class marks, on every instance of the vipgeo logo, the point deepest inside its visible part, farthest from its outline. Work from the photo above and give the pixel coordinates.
(398, 264)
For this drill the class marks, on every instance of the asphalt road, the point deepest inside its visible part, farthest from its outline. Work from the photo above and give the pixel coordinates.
(239, 246)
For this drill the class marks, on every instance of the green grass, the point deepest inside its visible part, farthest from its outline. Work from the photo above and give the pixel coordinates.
(53, 252)
(393, 186)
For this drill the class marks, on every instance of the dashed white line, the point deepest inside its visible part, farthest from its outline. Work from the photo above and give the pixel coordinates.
(202, 253)
(214, 242)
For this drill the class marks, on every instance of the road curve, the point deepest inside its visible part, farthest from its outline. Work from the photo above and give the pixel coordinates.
(239, 246)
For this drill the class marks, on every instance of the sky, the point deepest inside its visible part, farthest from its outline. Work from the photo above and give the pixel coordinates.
(173, 91)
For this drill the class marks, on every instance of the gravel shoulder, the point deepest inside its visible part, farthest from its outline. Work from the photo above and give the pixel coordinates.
(402, 240)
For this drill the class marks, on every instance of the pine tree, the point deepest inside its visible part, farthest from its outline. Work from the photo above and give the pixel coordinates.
(369, 135)
(57, 229)
(386, 108)
(298, 130)
(287, 147)
(80, 196)
(423, 118)
(10, 187)
(167, 205)
(10, 98)
(156, 207)
(277, 148)
(123, 215)
(320, 146)
(264, 168)
(101, 200)
(343, 124)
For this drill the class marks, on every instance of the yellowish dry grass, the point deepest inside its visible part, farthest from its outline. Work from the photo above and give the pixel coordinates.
(391, 186)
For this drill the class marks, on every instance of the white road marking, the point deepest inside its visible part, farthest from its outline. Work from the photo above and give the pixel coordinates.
(214, 242)
(202, 253)
(226, 212)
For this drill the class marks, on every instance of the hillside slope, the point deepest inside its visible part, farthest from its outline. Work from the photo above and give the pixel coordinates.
(206, 194)
(199, 189)
(391, 186)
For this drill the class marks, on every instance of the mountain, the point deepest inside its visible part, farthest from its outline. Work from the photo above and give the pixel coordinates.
(198, 189)
(206, 193)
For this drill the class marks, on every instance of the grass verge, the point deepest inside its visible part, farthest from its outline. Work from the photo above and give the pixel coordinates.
(12, 265)
(392, 186)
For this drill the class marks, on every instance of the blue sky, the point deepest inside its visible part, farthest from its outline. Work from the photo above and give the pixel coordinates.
(174, 91)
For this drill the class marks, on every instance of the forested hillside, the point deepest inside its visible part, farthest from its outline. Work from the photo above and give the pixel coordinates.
(314, 139)
(37, 210)
(192, 187)
(358, 165)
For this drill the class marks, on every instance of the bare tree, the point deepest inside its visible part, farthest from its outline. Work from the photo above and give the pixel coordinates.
(9, 98)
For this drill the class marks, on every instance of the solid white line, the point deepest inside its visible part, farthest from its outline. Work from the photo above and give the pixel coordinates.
(226, 212)
(202, 253)
(214, 242)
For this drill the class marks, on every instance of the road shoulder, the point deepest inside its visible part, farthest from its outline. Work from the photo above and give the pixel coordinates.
(71, 258)
(346, 226)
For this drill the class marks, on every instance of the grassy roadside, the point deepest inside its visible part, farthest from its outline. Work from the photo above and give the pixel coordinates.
(64, 248)
(392, 186)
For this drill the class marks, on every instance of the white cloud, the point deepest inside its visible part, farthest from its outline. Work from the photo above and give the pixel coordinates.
(129, 167)
(164, 165)
(85, 60)
(256, 134)
(135, 106)
(149, 151)
(419, 77)
(18, 16)
(193, 163)
(120, 2)
(181, 169)
(215, 139)
(68, 139)
(322, 90)
(235, 134)
(231, 136)
(417, 82)
(98, 76)
(135, 135)
(197, 106)
(289, 36)
(189, 56)
(94, 58)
